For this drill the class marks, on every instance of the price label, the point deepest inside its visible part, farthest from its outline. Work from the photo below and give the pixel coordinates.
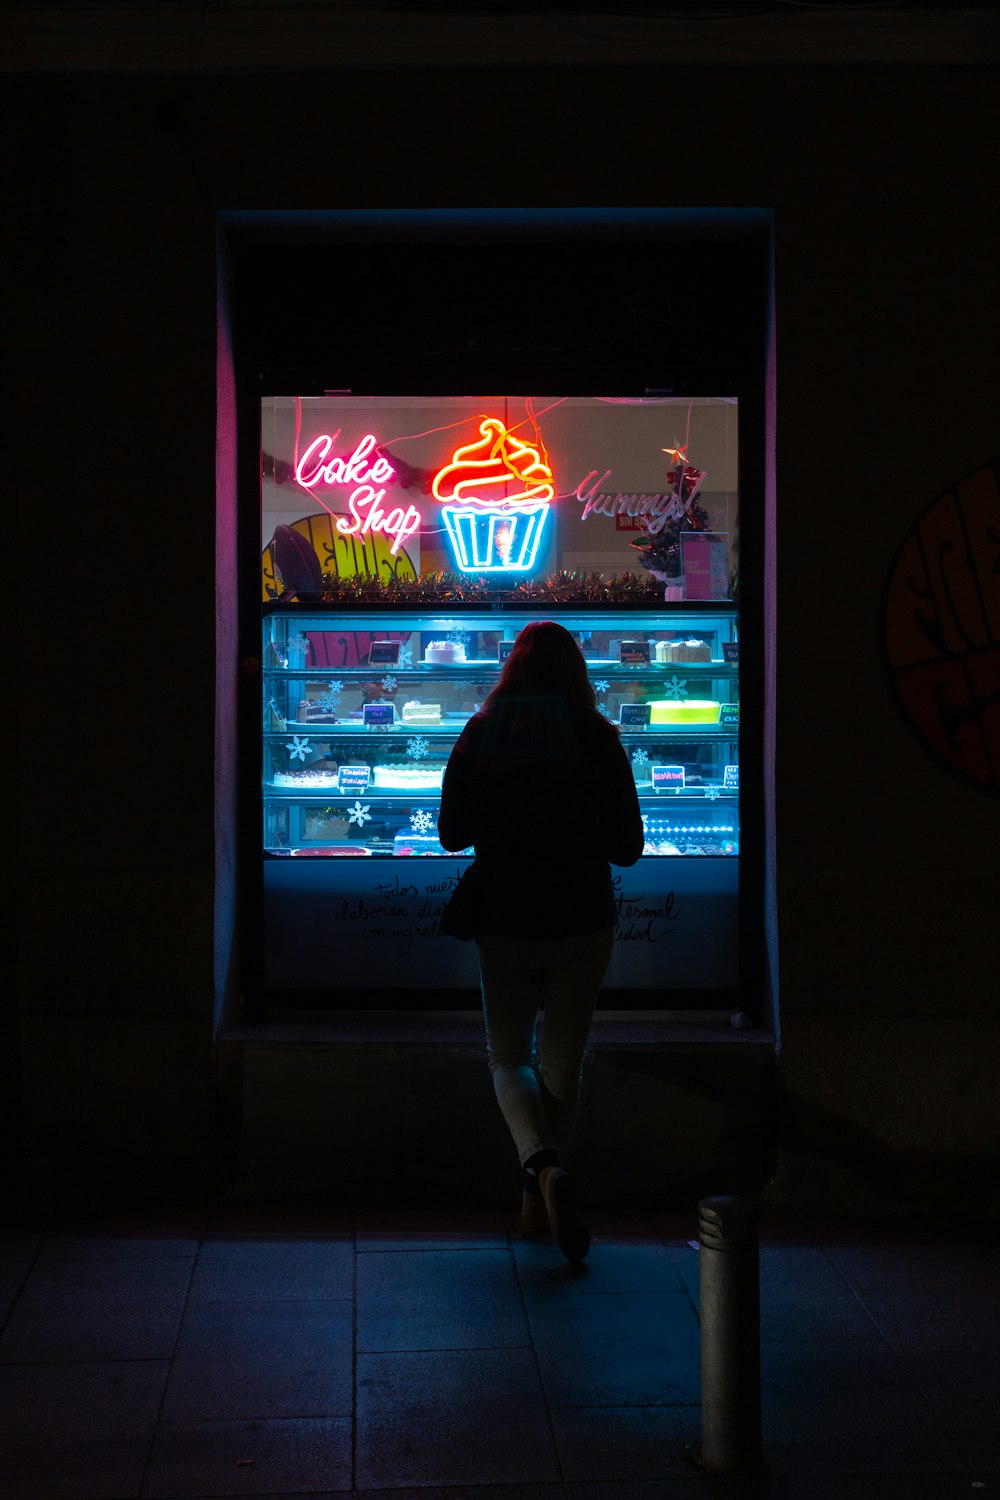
(504, 648)
(731, 778)
(383, 654)
(635, 715)
(731, 651)
(378, 715)
(353, 779)
(729, 716)
(634, 653)
(667, 776)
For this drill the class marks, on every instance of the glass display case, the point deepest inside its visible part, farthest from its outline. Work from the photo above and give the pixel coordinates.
(405, 540)
(361, 711)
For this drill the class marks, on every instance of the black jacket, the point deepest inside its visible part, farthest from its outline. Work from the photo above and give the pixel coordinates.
(548, 804)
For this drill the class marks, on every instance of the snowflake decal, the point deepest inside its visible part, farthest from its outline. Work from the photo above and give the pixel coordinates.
(421, 822)
(712, 793)
(389, 683)
(460, 637)
(300, 645)
(297, 746)
(601, 685)
(602, 708)
(359, 813)
(417, 747)
(676, 687)
(639, 757)
(328, 697)
(405, 656)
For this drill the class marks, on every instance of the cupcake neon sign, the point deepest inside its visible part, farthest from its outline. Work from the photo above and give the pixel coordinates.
(494, 496)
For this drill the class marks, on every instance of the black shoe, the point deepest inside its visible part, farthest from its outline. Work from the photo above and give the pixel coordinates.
(568, 1229)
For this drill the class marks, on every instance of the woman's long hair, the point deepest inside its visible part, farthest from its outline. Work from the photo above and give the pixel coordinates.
(546, 662)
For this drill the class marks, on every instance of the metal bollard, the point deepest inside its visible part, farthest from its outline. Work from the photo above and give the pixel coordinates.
(730, 1334)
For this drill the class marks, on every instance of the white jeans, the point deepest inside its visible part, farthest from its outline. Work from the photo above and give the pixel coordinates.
(539, 1099)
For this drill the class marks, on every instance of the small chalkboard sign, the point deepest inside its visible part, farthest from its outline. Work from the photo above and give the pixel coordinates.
(353, 779)
(667, 777)
(383, 654)
(634, 653)
(731, 651)
(731, 778)
(504, 648)
(729, 716)
(635, 715)
(378, 715)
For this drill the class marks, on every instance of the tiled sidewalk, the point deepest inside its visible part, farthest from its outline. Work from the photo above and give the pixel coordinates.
(268, 1351)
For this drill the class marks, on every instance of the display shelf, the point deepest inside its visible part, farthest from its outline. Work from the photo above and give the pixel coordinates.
(316, 660)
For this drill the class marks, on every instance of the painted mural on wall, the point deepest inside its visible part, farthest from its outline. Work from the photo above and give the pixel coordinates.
(941, 622)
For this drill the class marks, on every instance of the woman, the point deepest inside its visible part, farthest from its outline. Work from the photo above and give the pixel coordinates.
(539, 783)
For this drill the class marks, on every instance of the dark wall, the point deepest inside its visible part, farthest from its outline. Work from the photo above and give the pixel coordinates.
(886, 247)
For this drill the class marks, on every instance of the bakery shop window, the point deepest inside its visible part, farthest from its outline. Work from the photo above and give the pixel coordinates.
(404, 543)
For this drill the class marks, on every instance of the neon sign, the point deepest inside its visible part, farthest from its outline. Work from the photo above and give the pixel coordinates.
(658, 509)
(491, 531)
(315, 467)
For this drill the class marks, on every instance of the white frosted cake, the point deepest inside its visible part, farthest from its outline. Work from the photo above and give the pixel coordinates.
(408, 776)
(416, 712)
(444, 651)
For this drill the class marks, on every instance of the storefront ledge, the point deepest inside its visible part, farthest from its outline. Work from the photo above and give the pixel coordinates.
(679, 1032)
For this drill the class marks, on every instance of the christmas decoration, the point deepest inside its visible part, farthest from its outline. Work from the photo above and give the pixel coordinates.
(297, 746)
(359, 813)
(470, 588)
(421, 822)
(660, 550)
(417, 747)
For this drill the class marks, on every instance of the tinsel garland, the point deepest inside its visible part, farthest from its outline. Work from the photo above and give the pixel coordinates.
(465, 588)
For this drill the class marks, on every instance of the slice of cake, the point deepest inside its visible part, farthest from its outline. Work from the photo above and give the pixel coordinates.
(416, 712)
(693, 650)
(684, 711)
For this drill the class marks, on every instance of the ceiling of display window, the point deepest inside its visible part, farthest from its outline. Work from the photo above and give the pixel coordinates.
(189, 37)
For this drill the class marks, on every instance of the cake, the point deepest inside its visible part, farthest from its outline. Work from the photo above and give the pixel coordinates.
(684, 711)
(691, 651)
(444, 651)
(305, 780)
(409, 843)
(309, 712)
(407, 776)
(332, 851)
(416, 712)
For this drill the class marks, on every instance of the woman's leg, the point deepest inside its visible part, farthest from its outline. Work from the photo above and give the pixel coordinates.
(572, 979)
(512, 974)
